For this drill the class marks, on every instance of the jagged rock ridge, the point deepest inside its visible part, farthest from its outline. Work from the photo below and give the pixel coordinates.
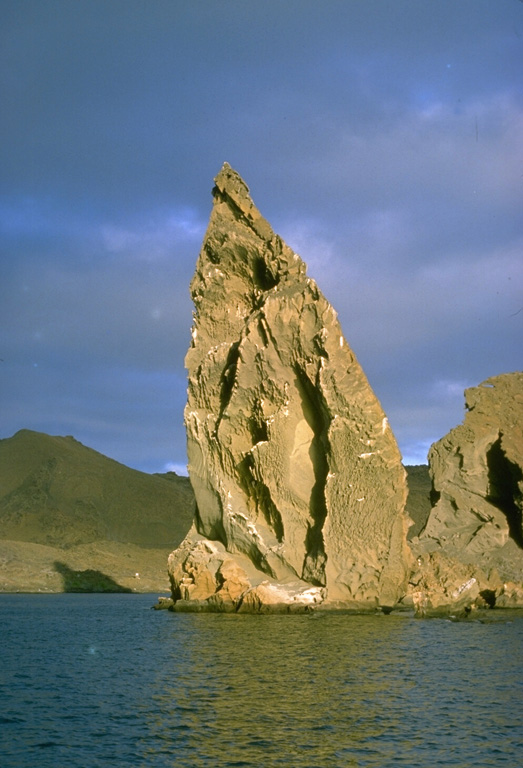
(297, 476)
(474, 530)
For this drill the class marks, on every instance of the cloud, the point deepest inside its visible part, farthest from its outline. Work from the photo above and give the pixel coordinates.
(156, 238)
(94, 339)
(180, 469)
(431, 164)
(382, 141)
(449, 389)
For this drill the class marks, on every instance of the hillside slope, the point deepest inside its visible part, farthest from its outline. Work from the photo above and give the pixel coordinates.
(87, 512)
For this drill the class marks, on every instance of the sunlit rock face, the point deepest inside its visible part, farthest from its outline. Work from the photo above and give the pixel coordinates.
(476, 520)
(291, 457)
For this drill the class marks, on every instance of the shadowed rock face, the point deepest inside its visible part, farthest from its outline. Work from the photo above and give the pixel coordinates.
(477, 473)
(475, 526)
(292, 461)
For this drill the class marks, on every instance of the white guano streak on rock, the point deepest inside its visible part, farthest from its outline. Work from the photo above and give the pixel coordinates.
(310, 596)
(240, 519)
(467, 585)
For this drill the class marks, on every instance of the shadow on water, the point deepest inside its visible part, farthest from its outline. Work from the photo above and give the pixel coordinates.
(87, 581)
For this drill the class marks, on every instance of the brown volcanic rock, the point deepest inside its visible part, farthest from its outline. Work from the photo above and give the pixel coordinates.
(291, 457)
(477, 477)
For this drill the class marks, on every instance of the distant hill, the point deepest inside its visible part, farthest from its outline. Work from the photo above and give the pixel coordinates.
(78, 505)
(56, 491)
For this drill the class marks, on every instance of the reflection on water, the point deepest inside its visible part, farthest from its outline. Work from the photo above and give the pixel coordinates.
(288, 690)
(102, 680)
(336, 690)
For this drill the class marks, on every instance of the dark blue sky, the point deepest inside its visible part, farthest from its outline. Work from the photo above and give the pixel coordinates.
(382, 140)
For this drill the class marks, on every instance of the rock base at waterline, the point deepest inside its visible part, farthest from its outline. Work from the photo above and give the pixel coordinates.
(205, 577)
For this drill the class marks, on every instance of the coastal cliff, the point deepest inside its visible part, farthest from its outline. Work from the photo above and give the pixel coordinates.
(300, 491)
(470, 551)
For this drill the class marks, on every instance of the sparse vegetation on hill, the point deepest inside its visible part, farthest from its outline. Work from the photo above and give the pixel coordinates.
(64, 503)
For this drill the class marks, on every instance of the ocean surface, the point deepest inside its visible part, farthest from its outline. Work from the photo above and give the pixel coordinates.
(102, 680)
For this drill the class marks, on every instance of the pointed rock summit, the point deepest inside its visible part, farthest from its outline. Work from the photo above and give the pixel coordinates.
(298, 479)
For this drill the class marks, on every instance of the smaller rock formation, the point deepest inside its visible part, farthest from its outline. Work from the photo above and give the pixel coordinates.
(298, 479)
(472, 543)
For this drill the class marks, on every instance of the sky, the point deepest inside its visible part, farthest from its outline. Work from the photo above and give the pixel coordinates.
(382, 139)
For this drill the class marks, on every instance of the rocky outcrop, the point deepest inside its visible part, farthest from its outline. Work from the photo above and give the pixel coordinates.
(205, 577)
(298, 480)
(474, 530)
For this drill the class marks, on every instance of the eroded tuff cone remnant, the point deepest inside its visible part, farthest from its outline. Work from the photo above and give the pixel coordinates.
(475, 526)
(298, 479)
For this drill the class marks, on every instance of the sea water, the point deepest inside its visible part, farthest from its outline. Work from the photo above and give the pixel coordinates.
(102, 680)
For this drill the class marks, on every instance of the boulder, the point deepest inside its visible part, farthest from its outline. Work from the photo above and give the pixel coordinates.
(477, 493)
(204, 576)
(295, 469)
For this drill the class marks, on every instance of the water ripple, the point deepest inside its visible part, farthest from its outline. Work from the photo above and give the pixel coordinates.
(98, 680)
